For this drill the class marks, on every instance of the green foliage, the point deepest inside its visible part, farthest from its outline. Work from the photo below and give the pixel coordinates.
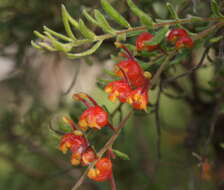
(160, 35)
(121, 154)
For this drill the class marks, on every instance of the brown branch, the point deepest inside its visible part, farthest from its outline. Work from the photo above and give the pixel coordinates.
(103, 150)
(158, 127)
(112, 183)
(75, 77)
(190, 71)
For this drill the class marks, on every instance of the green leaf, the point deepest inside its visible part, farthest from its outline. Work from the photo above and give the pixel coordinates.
(57, 45)
(121, 37)
(58, 35)
(160, 35)
(39, 35)
(216, 9)
(89, 18)
(121, 154)
(86, 32)
(134, 33)
(85, 53)
(144, 18)
(172, 11)
(102, 22)
(47, 46)
(114, 14)
(215, 39)
(35, 45)
(65, 18)
(111, 73)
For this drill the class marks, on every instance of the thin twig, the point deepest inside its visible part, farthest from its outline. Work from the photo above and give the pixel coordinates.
(160, 70)
(75, 77)
(158, 127)
(112, 183)
(189, 71)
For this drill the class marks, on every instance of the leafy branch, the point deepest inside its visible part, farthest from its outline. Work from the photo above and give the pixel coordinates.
(51, 40)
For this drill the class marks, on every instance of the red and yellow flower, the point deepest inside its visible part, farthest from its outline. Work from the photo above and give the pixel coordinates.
(118, 89)
(102, 170)
(176, 34)
(94, 116)
(132, 70)
(184, 42)
(140, 42)
(138, 98)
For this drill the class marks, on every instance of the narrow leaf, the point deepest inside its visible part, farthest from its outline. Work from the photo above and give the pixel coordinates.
(114, 14)
(215, 9)
(144, 18)
(39, 35)
(121, 154)
(102, 22)
(121, 37)
(160, 35)
(66, 23)
(172, 11)
(86, 32)
(58, 35)
(35, 45)
(59, 46)
(47, 46)
(85, 53)
(89, 18)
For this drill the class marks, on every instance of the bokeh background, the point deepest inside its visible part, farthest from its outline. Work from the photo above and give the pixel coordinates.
(36, 89)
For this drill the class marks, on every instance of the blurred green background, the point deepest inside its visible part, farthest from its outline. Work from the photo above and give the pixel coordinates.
(33, 89)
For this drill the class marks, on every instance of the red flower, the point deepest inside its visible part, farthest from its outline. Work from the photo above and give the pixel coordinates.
(103, 170)
(184, 42)
(141, 39)
(176, 34)
(118, 89)
(88, 156)
(93, 117)
(74, 141)
(132, 70)
(138, 98)
(77, 144)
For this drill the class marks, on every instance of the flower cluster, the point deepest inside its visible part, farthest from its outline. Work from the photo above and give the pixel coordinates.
(132, 88)
(94, 116)
(180, 37)
(133, 85)
(82, 153)
(76, 142)
(102, 170)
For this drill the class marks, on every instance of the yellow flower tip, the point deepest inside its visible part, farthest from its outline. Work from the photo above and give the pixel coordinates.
(65, 119)
(76, 97)
(117, 71)
(144, 107)
(147, 75)
(78, 133)
(108, 89)
(64, 148)
(75, 162)
(112, 98)
(83, 123)
(82, 95)
(118, 44)
(93, 124)
(93, 173)
(129, 100)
